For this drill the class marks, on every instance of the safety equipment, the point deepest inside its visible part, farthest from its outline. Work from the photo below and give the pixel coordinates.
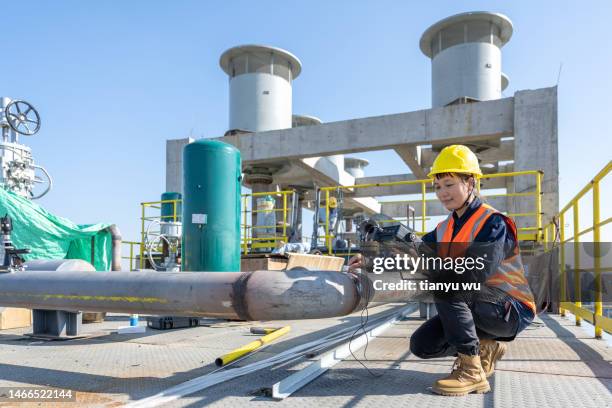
(456, 159)
(467, 376)
(491, 352)
(333, 202)
(510, 274)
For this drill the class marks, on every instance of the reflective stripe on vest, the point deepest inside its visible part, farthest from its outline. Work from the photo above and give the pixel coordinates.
(510, 274)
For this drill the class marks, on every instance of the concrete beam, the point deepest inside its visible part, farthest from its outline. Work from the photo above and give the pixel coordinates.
(486, 184)
(455, 123)
(326, 174)
(505, 152)
(433, 208)
(412, 157)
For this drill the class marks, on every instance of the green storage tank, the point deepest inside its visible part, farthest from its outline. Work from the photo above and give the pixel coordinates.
(211, 207)
(167, 209)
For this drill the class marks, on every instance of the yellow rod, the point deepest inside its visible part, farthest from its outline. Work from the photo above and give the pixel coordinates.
(131, 255)
(284, 214)
(328, 240)
(597, 257)
(252, 346)
(142, 237)
(563, 283)
(598, 177)
(538, 201)
(577, 289)
(263, 193)
(423, 206)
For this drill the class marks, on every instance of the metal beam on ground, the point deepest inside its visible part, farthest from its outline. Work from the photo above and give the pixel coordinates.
(291, 384)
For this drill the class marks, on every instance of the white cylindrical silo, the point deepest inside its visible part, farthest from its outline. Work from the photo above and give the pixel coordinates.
(260, 87)
(465, 52)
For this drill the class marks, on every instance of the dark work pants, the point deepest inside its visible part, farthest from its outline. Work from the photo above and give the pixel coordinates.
(458, 325)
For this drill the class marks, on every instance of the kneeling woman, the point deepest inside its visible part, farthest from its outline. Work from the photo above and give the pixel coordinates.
(473, 327)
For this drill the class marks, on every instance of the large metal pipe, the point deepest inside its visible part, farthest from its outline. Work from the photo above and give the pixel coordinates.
(260, 295)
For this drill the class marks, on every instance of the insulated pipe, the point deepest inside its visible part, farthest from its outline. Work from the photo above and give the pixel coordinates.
(259, 295)
(116, 247)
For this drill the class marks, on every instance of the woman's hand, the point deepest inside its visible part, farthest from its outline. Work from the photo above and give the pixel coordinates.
(356, 262)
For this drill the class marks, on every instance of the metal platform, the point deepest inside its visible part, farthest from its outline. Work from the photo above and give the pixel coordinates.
(552, 363)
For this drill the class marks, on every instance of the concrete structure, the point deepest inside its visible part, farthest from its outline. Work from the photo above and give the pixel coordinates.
(465, 52)
(520, 129)
(174, 164)
(510, 134)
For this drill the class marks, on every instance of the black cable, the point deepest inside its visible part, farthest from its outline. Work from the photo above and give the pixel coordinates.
(362, 328)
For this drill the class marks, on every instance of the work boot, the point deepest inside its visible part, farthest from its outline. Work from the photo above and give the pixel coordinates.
(491, 352)
(467, 376)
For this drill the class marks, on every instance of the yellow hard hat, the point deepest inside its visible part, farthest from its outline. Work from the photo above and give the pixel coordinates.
(333, 203)
(456, 159)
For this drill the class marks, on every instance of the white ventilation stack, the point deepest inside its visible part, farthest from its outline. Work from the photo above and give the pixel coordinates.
(355, 166)
(260, 87)
(465, 52)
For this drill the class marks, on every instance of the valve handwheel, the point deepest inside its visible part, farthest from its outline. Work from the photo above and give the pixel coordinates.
(22, 117)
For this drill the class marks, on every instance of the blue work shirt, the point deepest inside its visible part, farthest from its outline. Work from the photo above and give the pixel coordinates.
(494, 232)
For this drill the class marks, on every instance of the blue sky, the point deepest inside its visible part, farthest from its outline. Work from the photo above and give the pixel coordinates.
(113, 80)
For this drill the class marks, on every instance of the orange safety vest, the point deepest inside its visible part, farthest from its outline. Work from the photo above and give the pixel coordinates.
(510, 275)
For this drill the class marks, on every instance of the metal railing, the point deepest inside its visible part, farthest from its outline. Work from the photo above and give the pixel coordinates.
(132, 251)
(146, 221)
(530, 232)
(557, 231)
(262, 236)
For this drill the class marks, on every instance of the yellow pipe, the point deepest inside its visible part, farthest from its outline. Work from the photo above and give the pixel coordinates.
(423, 206)
(328, 240)
(252, 346)
(577, 289)
(598, 177)
(284, 214)
(539, 202)
(263, 193)
(597, 257)
(142, 237)
(563, 283)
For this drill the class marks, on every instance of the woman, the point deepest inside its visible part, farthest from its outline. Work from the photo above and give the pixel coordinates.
(471, 325)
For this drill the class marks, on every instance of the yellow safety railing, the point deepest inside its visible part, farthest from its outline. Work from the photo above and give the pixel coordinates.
(250, 239)
(596, 316)
(531, 232)
(132, 251)
(146, 218)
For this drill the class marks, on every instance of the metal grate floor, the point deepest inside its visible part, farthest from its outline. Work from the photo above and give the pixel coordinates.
(552, 364)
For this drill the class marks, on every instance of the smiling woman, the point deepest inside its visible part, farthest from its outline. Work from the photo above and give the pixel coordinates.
(470, 326)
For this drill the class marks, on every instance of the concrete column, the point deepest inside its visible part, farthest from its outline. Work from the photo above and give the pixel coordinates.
(174, 164)
(536, 148)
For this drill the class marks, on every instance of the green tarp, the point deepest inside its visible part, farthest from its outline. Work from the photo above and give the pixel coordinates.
(52, 237)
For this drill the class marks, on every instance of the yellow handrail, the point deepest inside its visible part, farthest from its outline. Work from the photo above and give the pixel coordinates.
(248, 241)
(524, 232)
(596, 317)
